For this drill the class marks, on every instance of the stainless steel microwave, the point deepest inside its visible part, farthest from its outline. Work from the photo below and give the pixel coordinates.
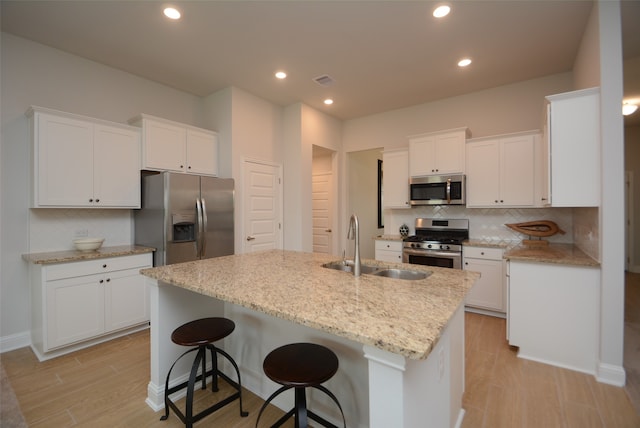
(437, 190)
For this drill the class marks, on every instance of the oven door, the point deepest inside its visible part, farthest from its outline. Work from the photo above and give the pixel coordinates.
(445, 259)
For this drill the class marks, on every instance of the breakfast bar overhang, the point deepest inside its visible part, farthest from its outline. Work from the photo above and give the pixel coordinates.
(400, 342)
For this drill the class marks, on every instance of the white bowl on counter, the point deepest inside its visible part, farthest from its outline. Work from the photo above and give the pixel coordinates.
(88, 244)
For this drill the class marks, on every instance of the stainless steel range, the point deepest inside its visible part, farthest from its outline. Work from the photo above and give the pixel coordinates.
(437, 242)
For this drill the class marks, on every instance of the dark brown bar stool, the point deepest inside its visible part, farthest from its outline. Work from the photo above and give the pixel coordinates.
(299, 366)
(201, 334)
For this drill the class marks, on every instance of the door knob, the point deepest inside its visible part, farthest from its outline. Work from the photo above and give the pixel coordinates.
(250, 238)
(328, 230)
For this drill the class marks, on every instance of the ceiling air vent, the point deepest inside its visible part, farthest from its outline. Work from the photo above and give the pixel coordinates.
(324, 80)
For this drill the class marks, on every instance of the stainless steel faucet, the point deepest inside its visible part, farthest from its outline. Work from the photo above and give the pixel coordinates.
(354, 233)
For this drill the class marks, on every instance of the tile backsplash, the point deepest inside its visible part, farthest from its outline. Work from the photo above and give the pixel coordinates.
(487, 224)
(55, 229)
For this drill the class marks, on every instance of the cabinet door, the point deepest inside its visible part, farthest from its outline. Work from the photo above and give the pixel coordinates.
(116, 167)
(449, 152)
(74, 310)
(396, 179)
(574, 129)
(63, 162)
(488, 291)
(422, 160)
(164, 146)
(517, 175)
(202, 152)
(483, 173)
(126, 299)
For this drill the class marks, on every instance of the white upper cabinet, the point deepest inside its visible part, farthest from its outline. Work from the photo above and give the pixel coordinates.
(501, 171)
(572, 133)
(438, 153)
(173, 146)
(395, 164)
(83, 162)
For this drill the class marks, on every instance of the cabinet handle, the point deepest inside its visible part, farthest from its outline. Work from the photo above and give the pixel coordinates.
(104, 265)
(101, 281)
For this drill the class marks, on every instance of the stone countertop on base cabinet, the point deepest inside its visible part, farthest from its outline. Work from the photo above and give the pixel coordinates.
(564, 254)
(399, 316)
(52, 257)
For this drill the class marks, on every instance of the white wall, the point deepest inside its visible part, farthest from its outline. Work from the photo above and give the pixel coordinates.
(632, 164)
(33, 74)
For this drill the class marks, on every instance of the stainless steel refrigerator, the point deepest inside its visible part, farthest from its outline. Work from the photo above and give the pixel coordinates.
(185, 217)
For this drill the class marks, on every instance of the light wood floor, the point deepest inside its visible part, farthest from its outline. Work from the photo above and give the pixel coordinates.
(105, 386)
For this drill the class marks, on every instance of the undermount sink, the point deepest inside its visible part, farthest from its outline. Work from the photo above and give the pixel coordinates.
(402, 274)
(347, 266)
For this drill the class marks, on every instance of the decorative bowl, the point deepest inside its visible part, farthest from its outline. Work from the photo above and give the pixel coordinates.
(88, 244)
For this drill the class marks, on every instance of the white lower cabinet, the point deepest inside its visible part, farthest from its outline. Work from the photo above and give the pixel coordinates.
(389, 251)
(489, 292)
(553, 313)
(80, 301)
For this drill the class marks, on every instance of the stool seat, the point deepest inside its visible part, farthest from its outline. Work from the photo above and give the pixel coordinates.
(200, 335)
(202, 331)
(300, 364)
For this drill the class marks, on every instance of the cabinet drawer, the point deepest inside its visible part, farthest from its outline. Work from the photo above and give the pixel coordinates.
(90, 267)
(482, 253)
(389, 245)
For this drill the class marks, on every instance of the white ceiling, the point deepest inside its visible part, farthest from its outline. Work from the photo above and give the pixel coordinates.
(383, 55)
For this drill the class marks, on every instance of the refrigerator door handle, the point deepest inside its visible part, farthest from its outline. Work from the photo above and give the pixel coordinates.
(199, 230)
(205, 227)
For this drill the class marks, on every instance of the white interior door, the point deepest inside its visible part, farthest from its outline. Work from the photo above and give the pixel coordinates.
(322, 224)
(262, 222)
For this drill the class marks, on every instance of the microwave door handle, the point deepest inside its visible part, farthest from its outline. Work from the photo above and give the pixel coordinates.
(448, 190)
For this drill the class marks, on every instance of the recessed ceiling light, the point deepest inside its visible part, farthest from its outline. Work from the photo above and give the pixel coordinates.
(172, 13)
(441, 11)
(328, 101)
(464, 62)
(281, 74)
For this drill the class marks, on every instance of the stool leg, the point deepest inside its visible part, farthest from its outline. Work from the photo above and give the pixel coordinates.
(214, 367)
(204, 365)
(235, 366)
(166, 384)
(335, 400)
(191, 384)
(266, 403)
(301, 408)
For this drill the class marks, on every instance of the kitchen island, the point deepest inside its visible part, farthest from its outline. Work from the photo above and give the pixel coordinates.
(411, 333)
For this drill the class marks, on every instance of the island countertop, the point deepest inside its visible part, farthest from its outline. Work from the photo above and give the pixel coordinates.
(400, 316)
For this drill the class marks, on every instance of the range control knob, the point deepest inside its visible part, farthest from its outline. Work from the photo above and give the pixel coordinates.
(429, 246)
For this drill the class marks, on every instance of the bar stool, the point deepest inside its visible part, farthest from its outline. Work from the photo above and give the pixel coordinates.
(299, 366)
(202, 333)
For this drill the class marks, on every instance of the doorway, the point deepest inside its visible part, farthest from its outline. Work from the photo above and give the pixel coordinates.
(362, 197)
(323, 200)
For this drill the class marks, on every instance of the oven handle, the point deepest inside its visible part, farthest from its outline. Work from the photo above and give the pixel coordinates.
(450, 255)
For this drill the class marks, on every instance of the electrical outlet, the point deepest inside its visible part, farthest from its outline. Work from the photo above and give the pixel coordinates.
(80, 233)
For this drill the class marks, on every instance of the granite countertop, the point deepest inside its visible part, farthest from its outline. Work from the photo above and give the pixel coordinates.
(486, 243)
(388, 238)
(564, 254)
(53, 257)
(399, 316)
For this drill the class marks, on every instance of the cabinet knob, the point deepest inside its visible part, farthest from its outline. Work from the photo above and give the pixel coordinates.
(97, 200)
(104, 265)
(496, 201)
(90, 199)
(101, 281)
(181, 166)
(544, 199)
(482, 253)
(189, 167)
(466, 263)
(108, 279)
(501, 201)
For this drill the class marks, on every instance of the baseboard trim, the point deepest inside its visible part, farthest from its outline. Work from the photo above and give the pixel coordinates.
(611, 374)
(15, 341)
